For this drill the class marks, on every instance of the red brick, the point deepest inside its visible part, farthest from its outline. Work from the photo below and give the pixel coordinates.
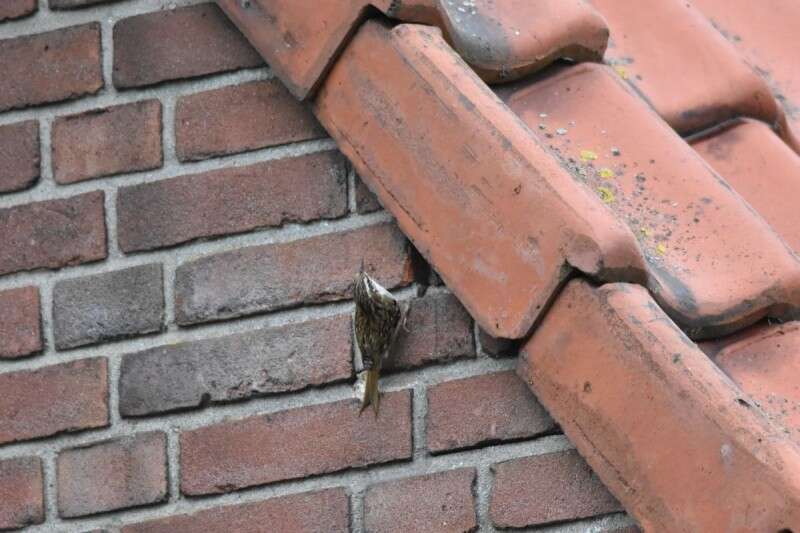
(178, 43)
(59, 398)
(547, 488)
(441, 502)
(108, 141)
(294, 444)
(438, 329)
(50, 67)
(484, 409)
(13, 9)
(108, 306)
(275, 276)
(366, 201)
(21, 492)
(241, 118)
(323, 511)
(19, 155)
(231, 200)
(20, 323)
(53, 234)
(236, 367)
(116, 474)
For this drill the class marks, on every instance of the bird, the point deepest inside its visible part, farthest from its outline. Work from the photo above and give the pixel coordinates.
(378, 317)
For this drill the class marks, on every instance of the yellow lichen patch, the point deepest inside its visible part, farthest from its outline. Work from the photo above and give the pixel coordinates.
(621, 71)
(606, 173)
(606, 194)
(661, 249)
(647, 232)
(588, 155)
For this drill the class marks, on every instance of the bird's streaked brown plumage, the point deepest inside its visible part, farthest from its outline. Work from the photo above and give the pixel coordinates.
(377, 318)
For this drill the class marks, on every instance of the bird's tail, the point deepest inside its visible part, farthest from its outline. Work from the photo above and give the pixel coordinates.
(372, 395)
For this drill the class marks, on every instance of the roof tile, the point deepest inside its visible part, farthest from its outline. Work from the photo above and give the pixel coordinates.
(765, 362)
(765, 33)
(619, 195)
(762, 168)
(487, 35)
(655, 417)
(440, 159)
(689, 226)
(679, 63)
(510, 39)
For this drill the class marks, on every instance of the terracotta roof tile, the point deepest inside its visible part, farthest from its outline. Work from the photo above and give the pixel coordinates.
(765, 362)
(683, 216)
(507, 40)
(434, 163)
(490, 37)
(655, 417)
(762, 168)
(679, 63)
(765, 34)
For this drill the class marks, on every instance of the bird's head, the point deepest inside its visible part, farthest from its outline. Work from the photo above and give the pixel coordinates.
(368, 293)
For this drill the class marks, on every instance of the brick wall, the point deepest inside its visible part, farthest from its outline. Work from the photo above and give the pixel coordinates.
(177, 239)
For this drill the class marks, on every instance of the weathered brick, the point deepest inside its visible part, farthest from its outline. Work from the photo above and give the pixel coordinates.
(14, 9)
(441, 502)
(53, 234)
(275, 276)
(235, 367)
(74, 4)
(178, 43)
(59, 398)
(484, 409)
(125, 472)
(241, 118)
(19, 155)
(107, 141)
(108, 306)
(21, 492)
(50, 67)
(294, 444)
(324, 511)
(438, 329)
(366, 201)
(547, 488)
(20, 323)
(232, 200)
